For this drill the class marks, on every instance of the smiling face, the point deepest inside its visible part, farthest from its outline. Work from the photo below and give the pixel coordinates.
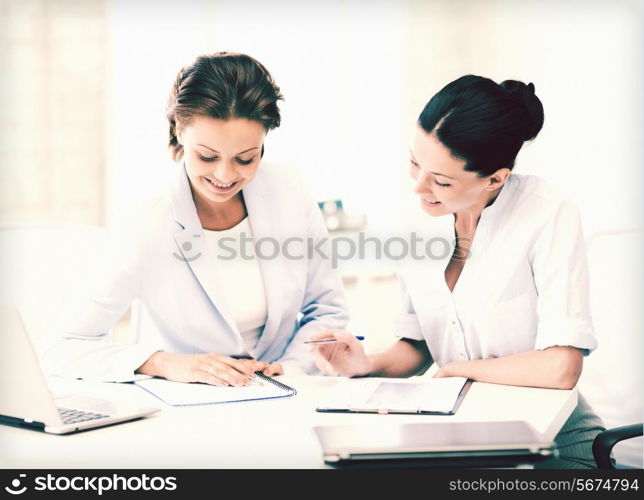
(221, 156)
(443, 184)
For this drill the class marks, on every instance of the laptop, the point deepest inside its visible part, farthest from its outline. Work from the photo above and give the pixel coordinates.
(26, 399)
(440, 443)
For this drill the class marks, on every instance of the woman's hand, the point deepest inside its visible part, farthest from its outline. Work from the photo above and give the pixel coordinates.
(213, 369)
(273, 369)
(345, 357)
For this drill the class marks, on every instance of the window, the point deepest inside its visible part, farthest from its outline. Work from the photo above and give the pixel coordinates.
(52, 123)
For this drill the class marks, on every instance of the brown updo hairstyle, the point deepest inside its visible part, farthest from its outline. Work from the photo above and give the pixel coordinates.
(222, 85)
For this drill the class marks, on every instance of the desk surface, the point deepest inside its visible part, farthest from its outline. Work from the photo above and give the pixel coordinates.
(265, 434)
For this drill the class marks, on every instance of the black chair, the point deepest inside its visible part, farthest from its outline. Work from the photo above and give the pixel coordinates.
(604, 442)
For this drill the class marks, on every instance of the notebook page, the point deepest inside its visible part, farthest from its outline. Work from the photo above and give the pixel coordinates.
(432, 395)
(179, 393)
(351, 393)
(436, 395)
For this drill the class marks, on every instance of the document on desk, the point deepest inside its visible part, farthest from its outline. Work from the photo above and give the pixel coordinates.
(434, 396)
(184, 394)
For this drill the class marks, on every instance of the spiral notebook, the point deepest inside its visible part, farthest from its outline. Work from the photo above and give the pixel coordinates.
(185, 394)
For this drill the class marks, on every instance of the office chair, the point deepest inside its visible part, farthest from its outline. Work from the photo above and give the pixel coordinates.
(604, 442)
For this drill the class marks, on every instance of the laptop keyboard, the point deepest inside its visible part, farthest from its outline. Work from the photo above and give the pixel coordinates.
(71, 416)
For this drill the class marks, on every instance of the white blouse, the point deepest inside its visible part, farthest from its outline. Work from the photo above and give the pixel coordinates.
(240, 278)
(524, 286)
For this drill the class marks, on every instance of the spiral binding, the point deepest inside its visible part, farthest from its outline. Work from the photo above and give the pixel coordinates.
(276, 383)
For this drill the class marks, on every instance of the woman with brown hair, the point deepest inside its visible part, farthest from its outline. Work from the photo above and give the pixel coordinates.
(219, 261)
(509, 304)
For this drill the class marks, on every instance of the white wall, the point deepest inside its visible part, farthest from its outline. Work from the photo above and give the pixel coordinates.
(585, 59)
(149, 43)
(356, 75)
(338, 64)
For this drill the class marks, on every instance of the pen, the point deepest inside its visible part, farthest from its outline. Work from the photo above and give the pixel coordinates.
(329, 341)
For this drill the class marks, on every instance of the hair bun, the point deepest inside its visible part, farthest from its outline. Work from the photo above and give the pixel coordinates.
(524, 94)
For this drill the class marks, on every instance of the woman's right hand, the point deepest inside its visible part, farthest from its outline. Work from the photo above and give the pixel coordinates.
(213, 369)
(345, 357)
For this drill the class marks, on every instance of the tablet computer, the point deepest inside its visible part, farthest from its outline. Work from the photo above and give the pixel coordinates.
(440, 443)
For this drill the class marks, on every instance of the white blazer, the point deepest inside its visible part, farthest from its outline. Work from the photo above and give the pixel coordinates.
(161, 259)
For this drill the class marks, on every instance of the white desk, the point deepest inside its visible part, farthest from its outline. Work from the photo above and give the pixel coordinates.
(266, 434)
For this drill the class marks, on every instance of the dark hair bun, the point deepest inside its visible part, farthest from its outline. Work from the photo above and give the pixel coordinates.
(524, 95)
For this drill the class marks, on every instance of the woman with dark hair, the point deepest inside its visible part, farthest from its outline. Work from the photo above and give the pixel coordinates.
(220, 302)
(509, 305)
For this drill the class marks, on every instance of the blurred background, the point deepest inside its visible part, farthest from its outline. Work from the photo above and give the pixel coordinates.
(83, 132)
(85, 83)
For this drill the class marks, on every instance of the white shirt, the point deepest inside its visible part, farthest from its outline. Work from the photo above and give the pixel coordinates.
(240, 278)
(524, 286)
